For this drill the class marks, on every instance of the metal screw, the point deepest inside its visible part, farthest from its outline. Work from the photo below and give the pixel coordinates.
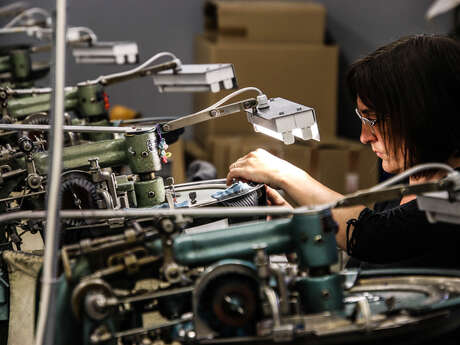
(94, 163)
(35, 181)
(191, 334)
(144, 154)
(151, 194)
(247, 105)
(27, 146)
(167, 225)
(318, 239)
(326, 294)
(173, 272)
(214, 113)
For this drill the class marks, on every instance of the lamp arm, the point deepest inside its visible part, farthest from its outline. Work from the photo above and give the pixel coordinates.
(144, 72)
(208, 114)
(172, 125)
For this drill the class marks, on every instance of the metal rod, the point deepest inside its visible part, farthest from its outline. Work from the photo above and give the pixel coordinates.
(34, 90)
(47, 313)
(76, 129)
(201, 186)
(212, 212)
(197, 183)
(154, 119)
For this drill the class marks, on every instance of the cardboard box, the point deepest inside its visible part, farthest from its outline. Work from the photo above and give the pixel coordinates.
(266, 21)
(343, 165)
(303, 73)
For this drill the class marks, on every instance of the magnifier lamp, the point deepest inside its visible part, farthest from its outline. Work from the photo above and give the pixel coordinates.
(276, 117)
(196, 78)
(86, 48)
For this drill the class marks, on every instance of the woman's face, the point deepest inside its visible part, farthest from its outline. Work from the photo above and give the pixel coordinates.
(372, 135)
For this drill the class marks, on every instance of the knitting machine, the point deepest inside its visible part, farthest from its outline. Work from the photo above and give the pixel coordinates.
(94, 178)
(153, 283)
(264, 281)
(158, 280)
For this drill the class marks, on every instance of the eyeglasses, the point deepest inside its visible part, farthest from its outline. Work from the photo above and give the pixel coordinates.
(369, 122)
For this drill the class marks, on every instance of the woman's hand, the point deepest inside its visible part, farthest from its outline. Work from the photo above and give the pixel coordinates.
(263, 167)
(275, 199)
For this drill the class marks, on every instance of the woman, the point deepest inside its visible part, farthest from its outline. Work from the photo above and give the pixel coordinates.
(407, 98)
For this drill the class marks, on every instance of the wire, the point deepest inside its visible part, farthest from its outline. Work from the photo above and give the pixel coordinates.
(410, 172)
(230, 96)
(86, 30)
(29, 12)
(13, 8)
(138, 68)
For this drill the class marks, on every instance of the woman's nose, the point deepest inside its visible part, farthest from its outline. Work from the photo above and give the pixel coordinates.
(367, 136)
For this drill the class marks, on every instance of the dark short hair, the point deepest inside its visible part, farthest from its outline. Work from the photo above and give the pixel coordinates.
(413, 86)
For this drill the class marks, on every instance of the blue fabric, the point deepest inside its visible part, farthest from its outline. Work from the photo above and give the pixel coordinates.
(233, 189)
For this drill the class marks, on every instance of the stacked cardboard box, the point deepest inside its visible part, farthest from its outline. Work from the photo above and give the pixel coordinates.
(278, 47)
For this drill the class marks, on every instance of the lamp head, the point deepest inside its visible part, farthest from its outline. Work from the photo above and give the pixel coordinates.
(283, 119)
(196, 78)
(120, 53)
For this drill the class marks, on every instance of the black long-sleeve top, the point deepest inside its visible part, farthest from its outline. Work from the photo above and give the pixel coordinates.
(394, 235)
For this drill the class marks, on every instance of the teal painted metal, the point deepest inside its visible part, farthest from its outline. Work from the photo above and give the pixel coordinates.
(236, 242)
(150, 193)
(22, 106)
(282, 236)
(154, 247)
(4, 305)
(110, 153)
(315, 236)
(320, 294)
(143, 152)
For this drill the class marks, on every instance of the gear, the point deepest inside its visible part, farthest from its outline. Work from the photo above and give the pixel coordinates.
(42, 119)
(228, 302)
(78, 192)
(35, 119)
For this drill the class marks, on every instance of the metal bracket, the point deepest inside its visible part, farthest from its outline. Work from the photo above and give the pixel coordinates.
(209, 114)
